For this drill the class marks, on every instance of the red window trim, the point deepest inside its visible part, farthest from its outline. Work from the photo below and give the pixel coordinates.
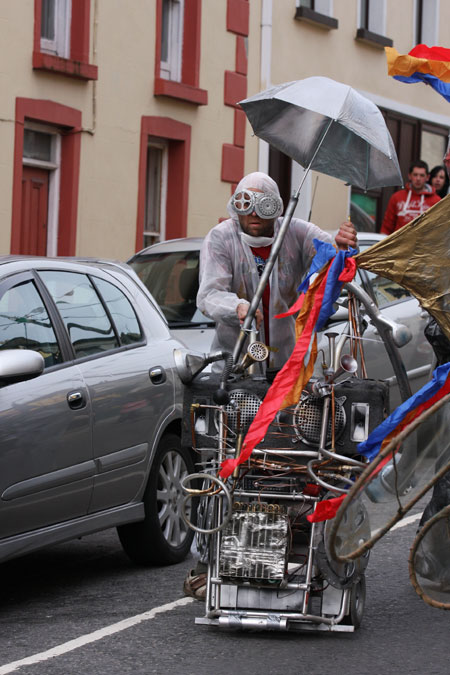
(78, 65)
(69, 120)
(179, 136)
(188, 89)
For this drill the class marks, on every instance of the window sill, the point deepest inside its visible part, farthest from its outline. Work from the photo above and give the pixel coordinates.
(184, 92)
(68, 67)
(373, 39)
(316, 18)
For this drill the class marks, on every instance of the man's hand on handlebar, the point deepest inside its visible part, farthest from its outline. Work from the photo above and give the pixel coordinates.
(242, 311)
(346, 236)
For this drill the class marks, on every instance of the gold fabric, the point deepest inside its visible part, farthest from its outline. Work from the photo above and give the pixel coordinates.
(418, 258)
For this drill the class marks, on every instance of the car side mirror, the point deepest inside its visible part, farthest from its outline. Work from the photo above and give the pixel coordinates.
(19, 365)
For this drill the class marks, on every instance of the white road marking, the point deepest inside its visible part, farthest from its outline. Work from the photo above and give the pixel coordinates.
(407, 521)
(92, 637)
(401, 523)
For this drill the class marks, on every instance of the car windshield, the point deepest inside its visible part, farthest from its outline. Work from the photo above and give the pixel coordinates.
(172, 279)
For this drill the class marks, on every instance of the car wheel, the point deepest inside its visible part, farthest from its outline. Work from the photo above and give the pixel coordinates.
(162, 538)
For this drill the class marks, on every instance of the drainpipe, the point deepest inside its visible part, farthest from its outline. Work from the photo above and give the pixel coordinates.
(265, 73)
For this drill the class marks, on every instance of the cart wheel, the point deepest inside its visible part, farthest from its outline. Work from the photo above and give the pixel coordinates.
(357, 604)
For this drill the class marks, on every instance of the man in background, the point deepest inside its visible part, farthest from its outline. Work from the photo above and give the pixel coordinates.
(411, 201)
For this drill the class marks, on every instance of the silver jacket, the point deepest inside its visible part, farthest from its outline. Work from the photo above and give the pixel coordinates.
(228, 276)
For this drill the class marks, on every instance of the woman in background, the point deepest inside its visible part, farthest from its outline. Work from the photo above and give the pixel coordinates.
(439, 180)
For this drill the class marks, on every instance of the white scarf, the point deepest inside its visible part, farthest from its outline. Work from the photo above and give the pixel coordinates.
(256, 242)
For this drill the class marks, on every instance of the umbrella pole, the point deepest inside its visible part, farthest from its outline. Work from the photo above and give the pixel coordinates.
(246, 326)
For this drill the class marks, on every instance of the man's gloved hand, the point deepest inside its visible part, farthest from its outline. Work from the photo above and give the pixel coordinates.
(346, 236)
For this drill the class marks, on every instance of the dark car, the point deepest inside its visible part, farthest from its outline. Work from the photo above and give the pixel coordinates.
(90, 410)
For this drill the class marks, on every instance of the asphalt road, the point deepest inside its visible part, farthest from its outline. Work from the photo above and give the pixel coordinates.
(56, 599)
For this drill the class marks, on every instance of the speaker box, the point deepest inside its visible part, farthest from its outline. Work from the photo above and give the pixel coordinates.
(360, 405)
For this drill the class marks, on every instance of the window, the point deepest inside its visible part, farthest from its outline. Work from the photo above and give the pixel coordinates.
(318, 12)
(433, 144)
(155, 202)
(172, 279)
(177, 45)
(88, 325)
(46, 173)
(121, 311)
(163, 186)
(372, 23)
(373, 16)
(426, 22)
(55, 27)
(25, 324)
(62, 38)
(172, 39)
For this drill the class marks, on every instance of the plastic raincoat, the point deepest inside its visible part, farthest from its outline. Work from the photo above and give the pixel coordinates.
(228, 276)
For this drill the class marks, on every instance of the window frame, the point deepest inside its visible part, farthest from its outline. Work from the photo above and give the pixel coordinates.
(372, 23)
(426, 22)
(319, 14)
(60, 45)
(187, 88)
(178, 137)
(163, 145)
(76, 63)
(171, 69)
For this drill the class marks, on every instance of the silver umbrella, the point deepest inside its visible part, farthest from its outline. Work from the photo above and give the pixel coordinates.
(327, 126)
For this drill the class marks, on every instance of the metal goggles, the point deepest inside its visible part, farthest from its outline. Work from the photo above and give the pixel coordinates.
(266, 205)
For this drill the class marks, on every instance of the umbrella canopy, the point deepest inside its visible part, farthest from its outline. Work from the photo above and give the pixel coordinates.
(418, 258)
(327, 126)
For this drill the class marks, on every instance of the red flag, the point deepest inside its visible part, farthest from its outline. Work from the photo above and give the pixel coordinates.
(326, 510)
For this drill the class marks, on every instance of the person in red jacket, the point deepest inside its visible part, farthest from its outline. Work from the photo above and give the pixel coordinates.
(414, 199)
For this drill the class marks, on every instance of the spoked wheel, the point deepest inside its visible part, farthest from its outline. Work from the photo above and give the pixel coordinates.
(162, 538)
(357, 603)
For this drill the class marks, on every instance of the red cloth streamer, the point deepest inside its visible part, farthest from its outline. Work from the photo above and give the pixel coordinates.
(281, 386)
(326, 509)
(349, 270)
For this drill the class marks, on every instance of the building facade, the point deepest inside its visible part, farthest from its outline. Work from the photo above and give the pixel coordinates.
(120, 124)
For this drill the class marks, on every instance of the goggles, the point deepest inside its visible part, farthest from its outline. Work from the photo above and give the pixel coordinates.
(266, 205)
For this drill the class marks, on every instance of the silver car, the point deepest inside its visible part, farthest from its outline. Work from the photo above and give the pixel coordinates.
(170, 272)
(90, 410)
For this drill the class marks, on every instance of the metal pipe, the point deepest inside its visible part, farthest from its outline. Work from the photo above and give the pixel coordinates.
(274, 254)
(386, 333)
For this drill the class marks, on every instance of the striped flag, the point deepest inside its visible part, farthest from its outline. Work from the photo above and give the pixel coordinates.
(430, 65)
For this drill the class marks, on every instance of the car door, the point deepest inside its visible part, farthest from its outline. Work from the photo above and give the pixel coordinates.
(46, 463)
(127, 370)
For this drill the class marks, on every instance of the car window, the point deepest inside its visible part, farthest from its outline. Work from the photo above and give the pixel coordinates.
(172, 279)
(90, 330)
(122, 313)
(25, 324)
(385, 291)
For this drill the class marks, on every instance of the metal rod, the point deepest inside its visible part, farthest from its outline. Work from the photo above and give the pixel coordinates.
(386, 333)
